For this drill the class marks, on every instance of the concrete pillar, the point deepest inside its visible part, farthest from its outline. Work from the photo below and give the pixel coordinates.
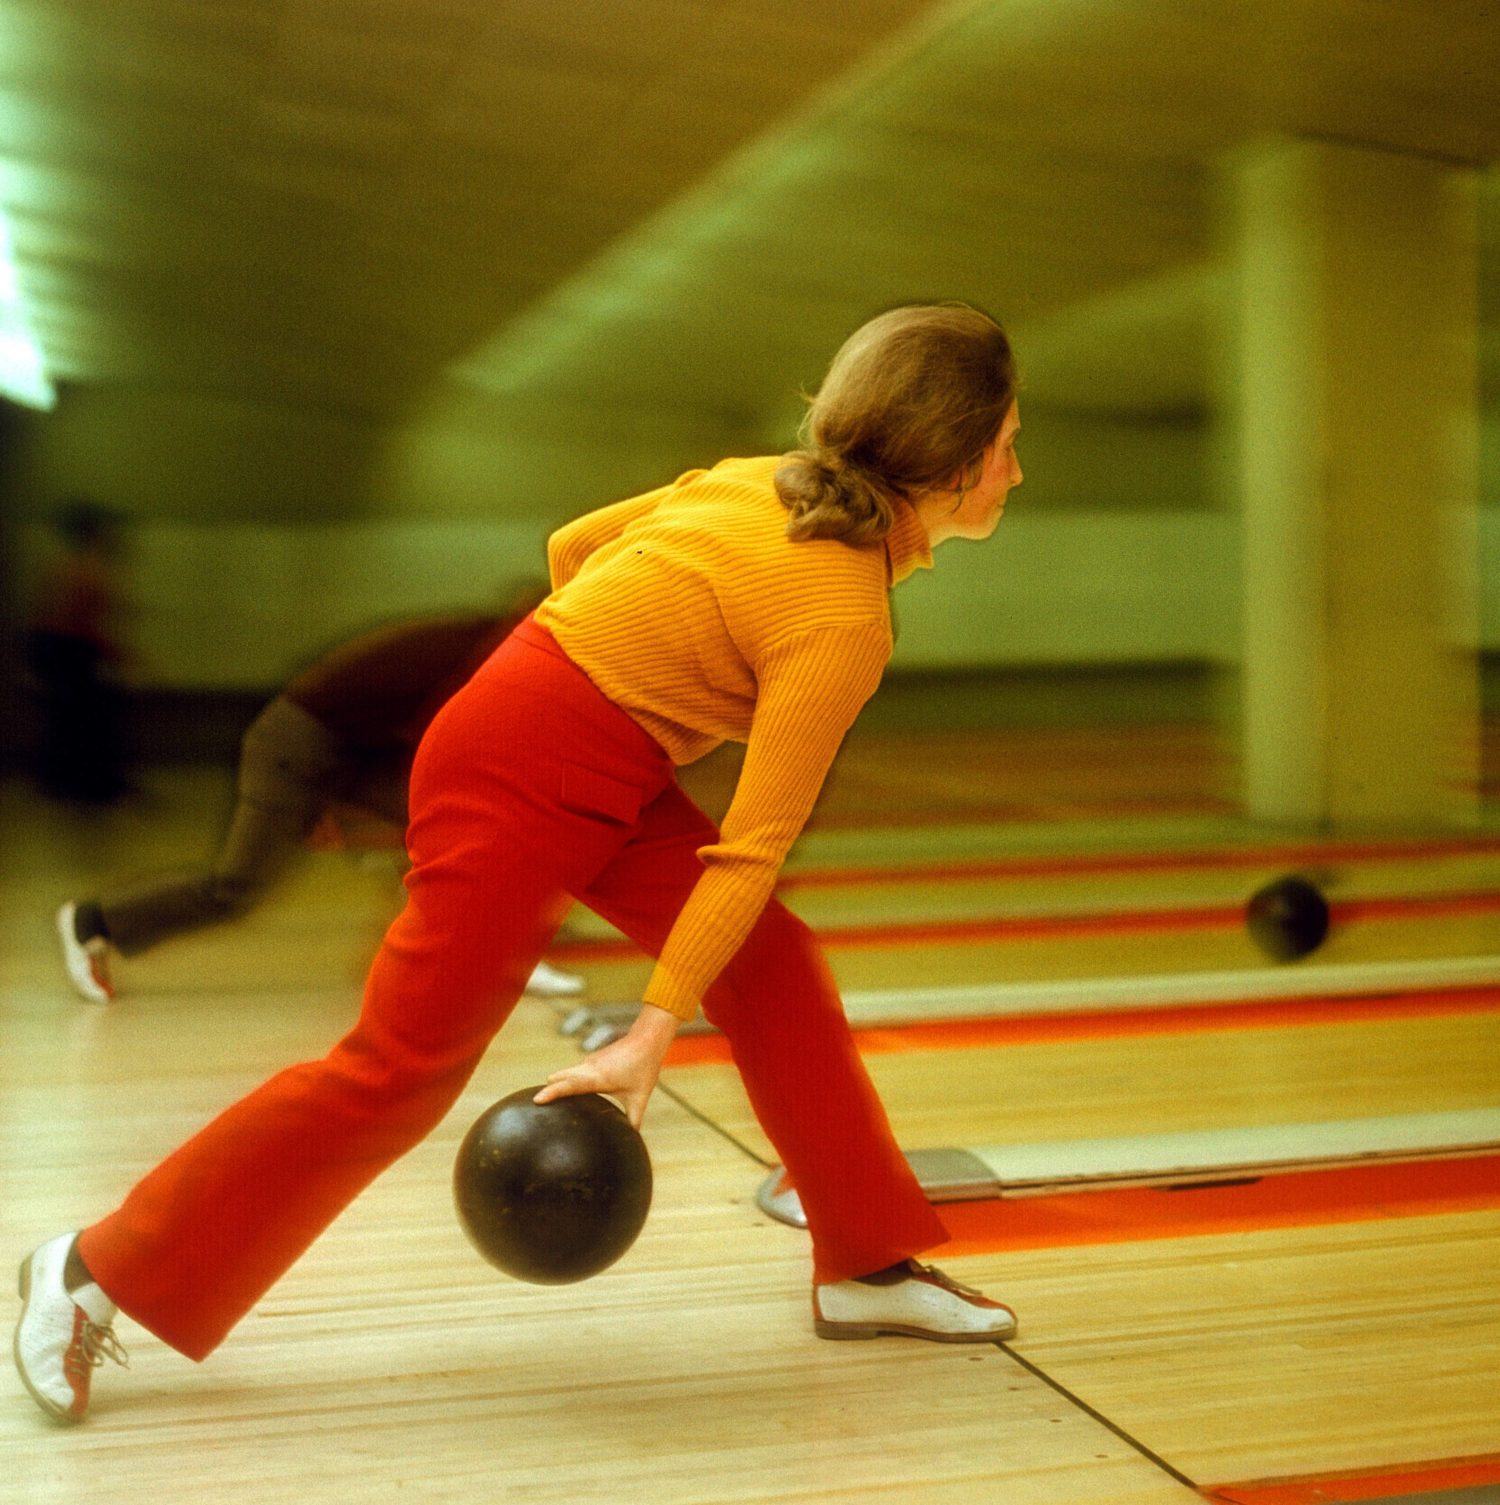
(1353, 391)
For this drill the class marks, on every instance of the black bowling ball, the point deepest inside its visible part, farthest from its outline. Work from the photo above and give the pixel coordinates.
(552, 1193)
(1288, 918)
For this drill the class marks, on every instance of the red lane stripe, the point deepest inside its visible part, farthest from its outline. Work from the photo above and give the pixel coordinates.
(1407, 906)
(1033, 927)
(1104, 922)
(1140, 921)
(1392, 1483)
(1067, 865)
(989, 1032)
(1299, 1199)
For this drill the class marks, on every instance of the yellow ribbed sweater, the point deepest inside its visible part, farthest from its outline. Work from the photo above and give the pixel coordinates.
(691, 609)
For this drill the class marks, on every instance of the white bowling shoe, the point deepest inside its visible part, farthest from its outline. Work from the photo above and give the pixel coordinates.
(548, 982)
(915, 1302)
(63, 1335)
(87, 961)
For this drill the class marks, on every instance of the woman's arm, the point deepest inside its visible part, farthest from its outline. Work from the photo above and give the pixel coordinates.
(811, 688)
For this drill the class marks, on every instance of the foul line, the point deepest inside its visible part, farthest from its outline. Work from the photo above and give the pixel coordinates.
(718, 1129)
(1098, 1416)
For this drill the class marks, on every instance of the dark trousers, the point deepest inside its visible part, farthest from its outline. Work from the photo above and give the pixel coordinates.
(290, 766)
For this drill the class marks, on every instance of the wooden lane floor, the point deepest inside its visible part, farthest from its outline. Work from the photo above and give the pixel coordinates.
(392, 1365)
(1361, 1348)
(1199, 1078)
(1262, 1353)
(1239, 1334)
(1346, 1340)
(1006, 959)
(1289, 1332)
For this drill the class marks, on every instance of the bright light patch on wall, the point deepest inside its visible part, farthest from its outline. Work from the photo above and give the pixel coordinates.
(23, 376)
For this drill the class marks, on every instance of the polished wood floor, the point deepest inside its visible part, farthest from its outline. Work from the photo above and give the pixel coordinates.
(391, 1365)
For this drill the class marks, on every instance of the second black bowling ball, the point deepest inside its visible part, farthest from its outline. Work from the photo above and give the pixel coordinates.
(552, 1193)
(1287, 918)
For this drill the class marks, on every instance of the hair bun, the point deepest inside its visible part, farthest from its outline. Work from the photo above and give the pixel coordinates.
(829, 496)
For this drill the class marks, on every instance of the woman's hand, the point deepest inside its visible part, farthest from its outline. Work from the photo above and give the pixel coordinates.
(626, 1068)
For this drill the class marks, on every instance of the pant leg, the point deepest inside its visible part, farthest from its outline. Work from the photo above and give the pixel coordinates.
(288, 760)
(778, 1005)
(499, 836)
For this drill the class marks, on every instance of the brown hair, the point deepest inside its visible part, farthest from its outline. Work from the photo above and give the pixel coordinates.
(911, 399)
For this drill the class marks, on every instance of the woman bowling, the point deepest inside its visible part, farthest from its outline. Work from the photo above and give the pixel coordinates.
(749, 601)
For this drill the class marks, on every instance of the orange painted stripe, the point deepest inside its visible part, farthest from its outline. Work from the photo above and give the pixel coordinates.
(1072, 926)
(1383, 1484)
(1138, 921)
(996, 1031)
(1299, 1199)
(1288, 855)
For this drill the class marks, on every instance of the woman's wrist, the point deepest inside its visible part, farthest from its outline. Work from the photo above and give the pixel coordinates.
(655, 1027)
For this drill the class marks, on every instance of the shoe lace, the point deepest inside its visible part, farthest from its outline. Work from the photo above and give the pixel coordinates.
(96, 1344)
(938, 1277)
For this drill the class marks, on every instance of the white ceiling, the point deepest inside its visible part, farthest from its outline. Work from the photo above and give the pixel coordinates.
(625, 204)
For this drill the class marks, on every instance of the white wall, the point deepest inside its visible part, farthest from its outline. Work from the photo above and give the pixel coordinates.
(260, 537)
(240, 605)
(237, 605)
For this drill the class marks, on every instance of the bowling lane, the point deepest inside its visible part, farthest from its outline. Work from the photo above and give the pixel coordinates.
(1102, 882)
(1018, 1091)
(1010, 953)
(1054, 917)
(1104, 885)
(1265, 1352)
(1282, 1354)
(409, 1370)
(1261, 1353)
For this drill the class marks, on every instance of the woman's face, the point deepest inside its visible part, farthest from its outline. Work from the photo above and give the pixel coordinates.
(981, 505)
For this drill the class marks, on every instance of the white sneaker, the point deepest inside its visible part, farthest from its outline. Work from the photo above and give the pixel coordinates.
(63, 1336)
(87, 961)
(548, 982)
(919, 1302)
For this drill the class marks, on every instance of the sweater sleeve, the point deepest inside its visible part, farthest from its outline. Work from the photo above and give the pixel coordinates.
(571, 545)
(811, 687)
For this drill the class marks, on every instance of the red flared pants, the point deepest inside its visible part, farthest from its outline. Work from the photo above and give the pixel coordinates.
(530, 789)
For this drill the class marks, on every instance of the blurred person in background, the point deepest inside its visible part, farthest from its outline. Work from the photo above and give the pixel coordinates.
(75, 654)
(336, 742)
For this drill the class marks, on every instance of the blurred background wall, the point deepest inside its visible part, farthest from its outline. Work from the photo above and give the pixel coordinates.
(348, 306)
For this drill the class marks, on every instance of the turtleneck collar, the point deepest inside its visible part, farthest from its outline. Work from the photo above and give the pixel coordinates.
(906, 547)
